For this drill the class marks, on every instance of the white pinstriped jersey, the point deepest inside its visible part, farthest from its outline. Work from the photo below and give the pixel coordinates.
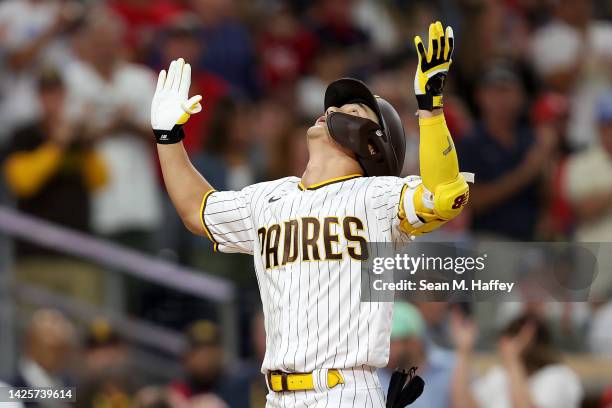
(307, 245)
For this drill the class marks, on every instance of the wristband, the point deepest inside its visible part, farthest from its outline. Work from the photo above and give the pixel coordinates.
(175, 135)
(429, 102)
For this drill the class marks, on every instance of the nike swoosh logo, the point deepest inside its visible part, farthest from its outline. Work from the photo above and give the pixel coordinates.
(273, 199)
(449, 148)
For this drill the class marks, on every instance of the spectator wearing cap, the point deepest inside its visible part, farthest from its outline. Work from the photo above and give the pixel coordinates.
(53, 171)
(106, 380)
(203, 366)
(588, 185)
(509, 161)
(409, 347)
(51, 165)
(246, 376)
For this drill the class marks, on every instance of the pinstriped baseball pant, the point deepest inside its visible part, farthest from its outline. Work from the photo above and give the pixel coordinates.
(361, 389)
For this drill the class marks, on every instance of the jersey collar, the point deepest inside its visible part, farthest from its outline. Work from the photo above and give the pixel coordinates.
(328, 182)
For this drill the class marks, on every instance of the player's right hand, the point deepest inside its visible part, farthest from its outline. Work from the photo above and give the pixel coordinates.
(171, 107)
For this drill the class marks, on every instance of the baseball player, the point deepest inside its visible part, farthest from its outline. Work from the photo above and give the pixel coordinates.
(308, 235)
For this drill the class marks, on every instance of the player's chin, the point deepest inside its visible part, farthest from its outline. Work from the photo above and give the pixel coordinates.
(316, 131)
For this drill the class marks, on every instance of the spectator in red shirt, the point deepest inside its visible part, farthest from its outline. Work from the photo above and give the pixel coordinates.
(142, 18)
(285, 48)
(333, 22)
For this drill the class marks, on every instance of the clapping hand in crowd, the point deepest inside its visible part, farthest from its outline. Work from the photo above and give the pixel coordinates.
(464, 332)
(512, 347)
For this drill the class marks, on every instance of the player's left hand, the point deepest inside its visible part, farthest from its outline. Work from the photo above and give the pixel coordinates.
(171, 107)
(433, 66)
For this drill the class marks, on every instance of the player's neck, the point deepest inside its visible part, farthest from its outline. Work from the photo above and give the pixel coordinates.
(324, 167)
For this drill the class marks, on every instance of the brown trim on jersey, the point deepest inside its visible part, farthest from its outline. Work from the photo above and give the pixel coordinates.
(328, 182)
(206, 230)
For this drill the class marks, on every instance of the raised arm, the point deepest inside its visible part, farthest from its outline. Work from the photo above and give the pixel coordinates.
(444, 191)
(170, 109)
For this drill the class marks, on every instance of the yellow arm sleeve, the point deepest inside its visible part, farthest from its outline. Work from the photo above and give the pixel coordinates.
(444, 191)
(437, 154)
(27, 172)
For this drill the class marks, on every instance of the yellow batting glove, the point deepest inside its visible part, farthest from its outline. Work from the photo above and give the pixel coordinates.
(433, 66)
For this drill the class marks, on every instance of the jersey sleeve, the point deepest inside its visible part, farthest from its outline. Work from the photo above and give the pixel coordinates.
(226, 219)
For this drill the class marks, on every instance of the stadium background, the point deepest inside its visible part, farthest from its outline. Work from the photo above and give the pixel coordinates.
(528, 101)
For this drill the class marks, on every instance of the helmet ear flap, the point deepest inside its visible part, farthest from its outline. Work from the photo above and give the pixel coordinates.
(355, 133)
(379, 149)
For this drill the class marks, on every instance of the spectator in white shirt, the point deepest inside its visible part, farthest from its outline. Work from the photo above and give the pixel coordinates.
(531, 374)
(588, 185)
(117, 96)
(573, 55)
(33, 35)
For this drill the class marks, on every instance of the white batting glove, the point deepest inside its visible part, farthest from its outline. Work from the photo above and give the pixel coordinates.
(171, 107)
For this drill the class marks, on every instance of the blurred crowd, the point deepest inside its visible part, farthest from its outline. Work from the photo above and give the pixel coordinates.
(99, 364)
(525, 368)
(529, 104)
(528, 101)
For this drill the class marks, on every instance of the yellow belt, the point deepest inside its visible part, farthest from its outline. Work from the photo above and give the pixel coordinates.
(280, 381)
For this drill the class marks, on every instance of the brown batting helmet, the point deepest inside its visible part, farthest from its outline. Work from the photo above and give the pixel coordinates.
(379, 148)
